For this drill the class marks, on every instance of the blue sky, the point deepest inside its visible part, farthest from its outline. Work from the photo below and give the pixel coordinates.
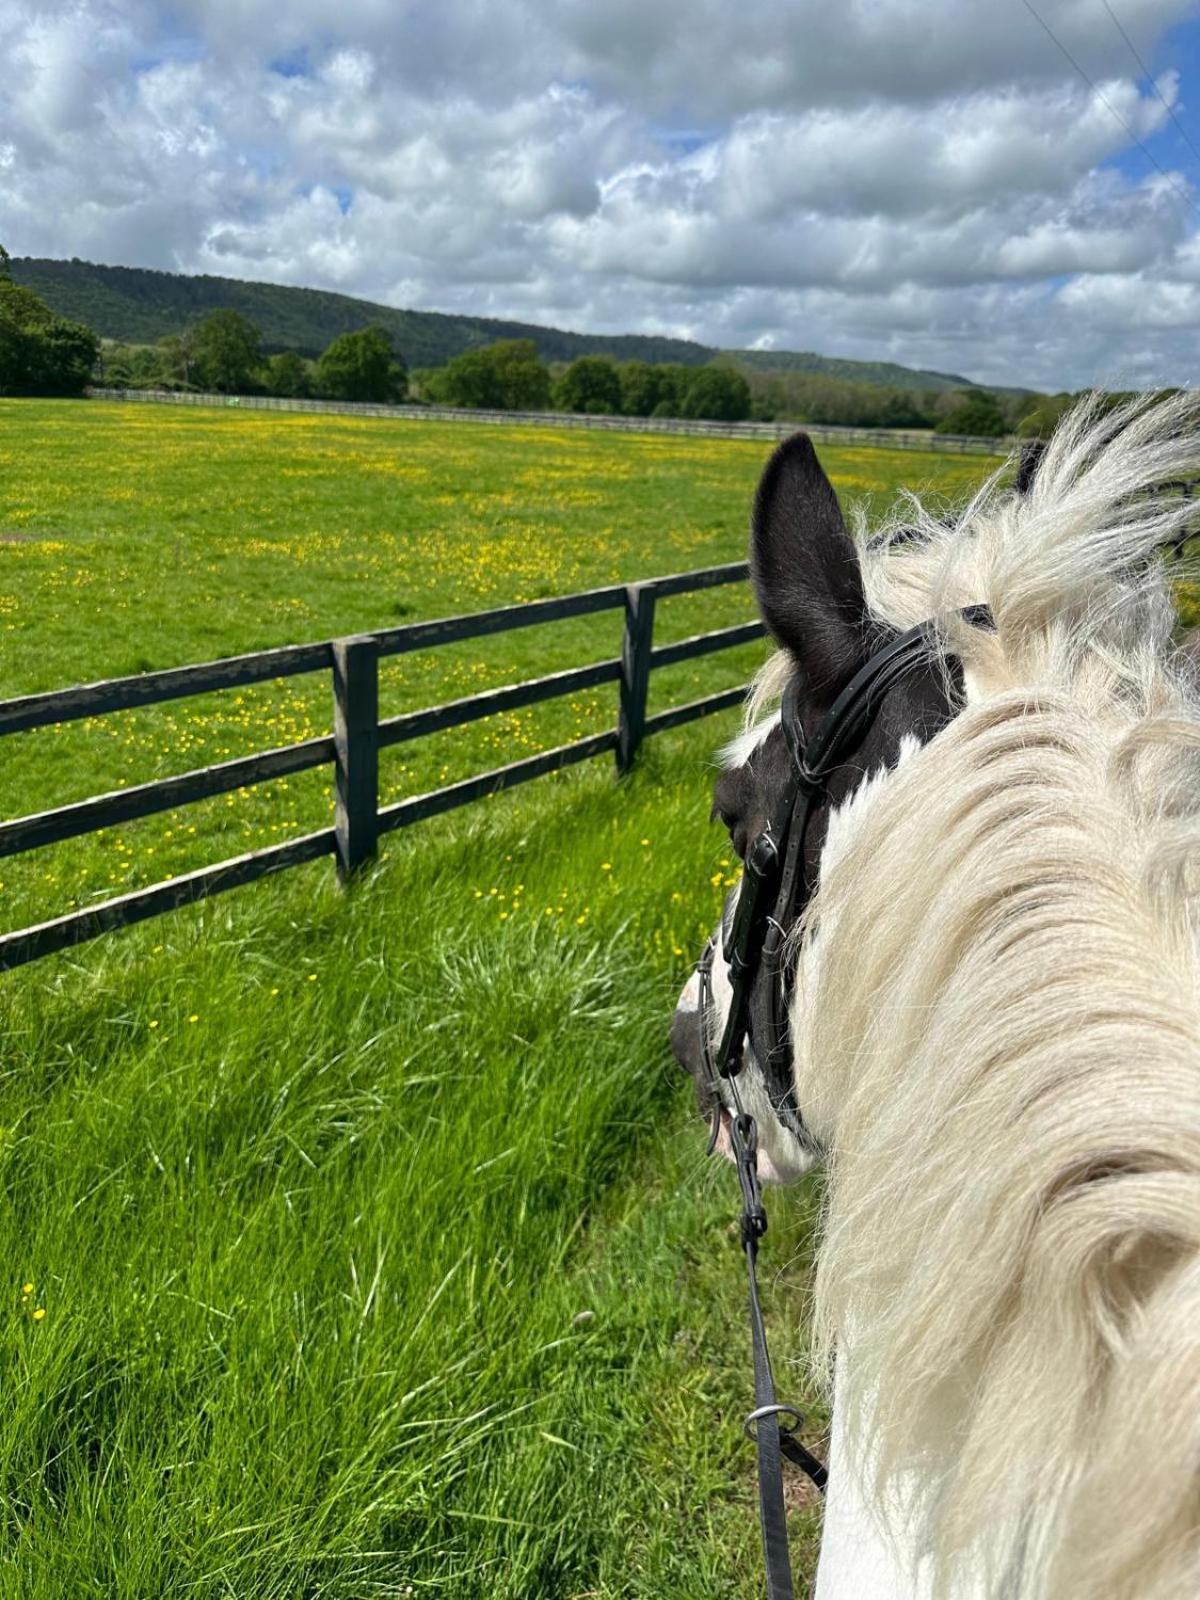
(1179, 51)
(930, 183)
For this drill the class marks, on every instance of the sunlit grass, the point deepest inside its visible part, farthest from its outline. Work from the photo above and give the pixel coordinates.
(133, 539)
(362, 1243)
(373, 1233)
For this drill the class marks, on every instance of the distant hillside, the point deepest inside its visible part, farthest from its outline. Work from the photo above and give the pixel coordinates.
(886, 373)
(140, 306)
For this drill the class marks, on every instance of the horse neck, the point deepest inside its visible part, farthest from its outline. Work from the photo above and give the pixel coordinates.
(997, 1019)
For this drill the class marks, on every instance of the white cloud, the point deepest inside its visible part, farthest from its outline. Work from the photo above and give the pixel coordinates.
(928, 181)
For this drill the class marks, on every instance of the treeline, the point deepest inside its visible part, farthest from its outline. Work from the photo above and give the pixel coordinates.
(510, 376)
(44, 354)
(40, 353)
(223, 352)
(971, 412)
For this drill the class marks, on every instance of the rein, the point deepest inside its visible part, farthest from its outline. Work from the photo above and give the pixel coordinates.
(769, 903)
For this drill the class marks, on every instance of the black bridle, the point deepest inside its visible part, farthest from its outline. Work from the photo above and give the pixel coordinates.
(770, 901)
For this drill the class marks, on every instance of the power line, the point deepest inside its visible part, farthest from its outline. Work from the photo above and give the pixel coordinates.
(1109, 107)
(1145, 71)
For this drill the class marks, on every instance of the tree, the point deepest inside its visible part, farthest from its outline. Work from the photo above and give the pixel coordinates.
(719, 394)
(641, 388)
(179, 357)
(1040, 421)
(521, 375)
(40, 353)
(429, 384)
(62, 357)
(124, 366)
(362, 366)
(506, 376)
(653, 389)
(590, 383)
(287, 375)
(471, 380)
(901, 408)
(227, 351)
(976, 416)
(673, 379)
(819, 397)
(12, 355)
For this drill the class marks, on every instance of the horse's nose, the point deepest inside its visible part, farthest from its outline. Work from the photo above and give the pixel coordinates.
(686, 1024)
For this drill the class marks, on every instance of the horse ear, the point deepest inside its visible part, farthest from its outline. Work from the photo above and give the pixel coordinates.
(805, 571)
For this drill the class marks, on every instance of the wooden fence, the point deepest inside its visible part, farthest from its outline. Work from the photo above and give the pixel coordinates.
(353, 746)
(823, 433)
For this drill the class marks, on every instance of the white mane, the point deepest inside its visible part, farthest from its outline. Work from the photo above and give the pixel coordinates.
(1002, 1008)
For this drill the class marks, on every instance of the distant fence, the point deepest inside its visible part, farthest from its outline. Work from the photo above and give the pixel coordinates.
(357, 738)
(873, 438)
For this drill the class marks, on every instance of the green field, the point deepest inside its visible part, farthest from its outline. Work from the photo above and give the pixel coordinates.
(371, 1245)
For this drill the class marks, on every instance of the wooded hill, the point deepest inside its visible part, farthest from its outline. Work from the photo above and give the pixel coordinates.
(140, 306)
(886, 373)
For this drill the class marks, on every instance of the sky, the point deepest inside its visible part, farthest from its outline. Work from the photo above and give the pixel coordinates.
(1006, 189)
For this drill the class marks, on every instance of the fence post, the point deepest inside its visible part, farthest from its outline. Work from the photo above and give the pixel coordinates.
(356, 743)
(635, 672)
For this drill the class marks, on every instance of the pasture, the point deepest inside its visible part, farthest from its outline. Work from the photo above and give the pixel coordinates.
(362, 1243)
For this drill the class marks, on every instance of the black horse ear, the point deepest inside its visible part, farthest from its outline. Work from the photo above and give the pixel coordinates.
(805, 571)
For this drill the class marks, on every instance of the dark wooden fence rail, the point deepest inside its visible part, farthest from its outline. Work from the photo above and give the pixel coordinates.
(354, 745)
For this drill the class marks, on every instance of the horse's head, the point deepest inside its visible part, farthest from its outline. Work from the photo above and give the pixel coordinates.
(973, 984)
(809, 587)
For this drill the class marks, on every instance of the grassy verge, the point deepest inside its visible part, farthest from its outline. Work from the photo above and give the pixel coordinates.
(373, 1235)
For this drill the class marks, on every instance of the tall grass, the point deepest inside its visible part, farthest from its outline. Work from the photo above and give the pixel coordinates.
(373, 1235)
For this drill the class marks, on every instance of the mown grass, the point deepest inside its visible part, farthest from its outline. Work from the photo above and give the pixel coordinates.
(375, 1244)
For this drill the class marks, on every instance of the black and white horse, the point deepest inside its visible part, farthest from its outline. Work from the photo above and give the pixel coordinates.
(992, 1019)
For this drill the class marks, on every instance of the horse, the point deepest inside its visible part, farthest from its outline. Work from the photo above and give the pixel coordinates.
(988, 980)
